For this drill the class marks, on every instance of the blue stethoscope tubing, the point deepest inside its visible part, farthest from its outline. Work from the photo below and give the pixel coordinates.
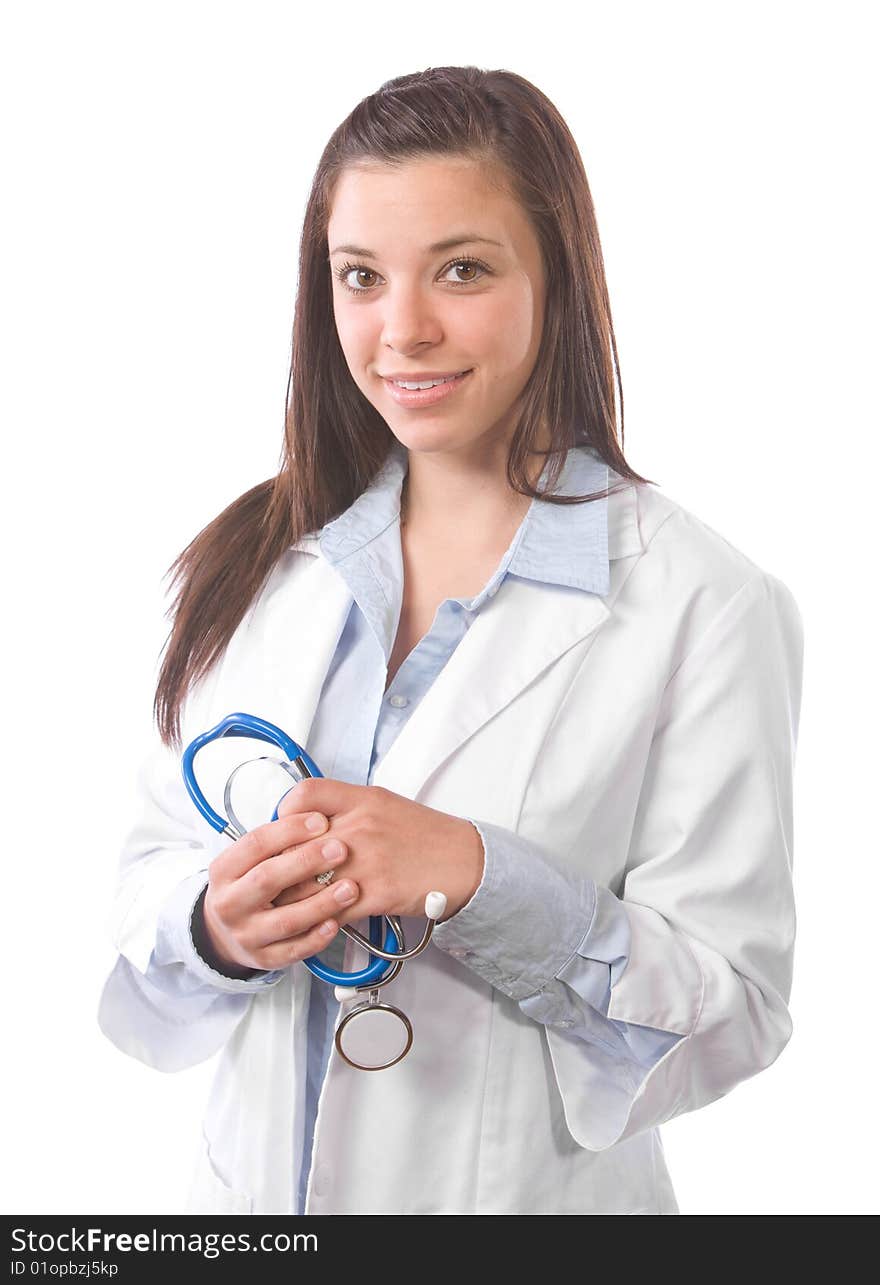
(260, 729)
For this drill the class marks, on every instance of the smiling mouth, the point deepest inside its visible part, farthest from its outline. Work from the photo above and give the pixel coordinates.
(422, 394)
(416, 385)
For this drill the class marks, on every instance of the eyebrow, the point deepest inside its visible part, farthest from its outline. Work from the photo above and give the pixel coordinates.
(436, 248)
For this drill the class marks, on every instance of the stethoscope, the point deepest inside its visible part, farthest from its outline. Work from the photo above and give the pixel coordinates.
(365, 1046)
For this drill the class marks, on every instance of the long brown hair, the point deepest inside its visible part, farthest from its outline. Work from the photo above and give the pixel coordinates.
(334, 439)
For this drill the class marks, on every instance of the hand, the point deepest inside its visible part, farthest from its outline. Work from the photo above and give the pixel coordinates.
(245, 927)
(397, 851)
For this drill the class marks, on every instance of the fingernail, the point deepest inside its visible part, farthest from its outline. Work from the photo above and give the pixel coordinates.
(345, 892)
(316, 822)
(333, 848)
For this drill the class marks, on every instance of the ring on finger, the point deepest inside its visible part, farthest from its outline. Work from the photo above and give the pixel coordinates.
(325, 877)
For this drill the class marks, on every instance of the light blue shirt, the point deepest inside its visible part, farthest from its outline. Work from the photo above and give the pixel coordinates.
(551, 939)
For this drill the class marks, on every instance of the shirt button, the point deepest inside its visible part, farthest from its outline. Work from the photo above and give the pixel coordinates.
(457, 952)
(566, 1022)
(398, 701)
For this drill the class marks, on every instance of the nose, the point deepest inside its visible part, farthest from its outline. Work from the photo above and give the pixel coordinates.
(409, 320)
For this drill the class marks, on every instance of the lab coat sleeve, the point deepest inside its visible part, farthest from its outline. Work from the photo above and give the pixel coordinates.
(708, 885)
(553, 941)
(162, 1003)
(707, 888)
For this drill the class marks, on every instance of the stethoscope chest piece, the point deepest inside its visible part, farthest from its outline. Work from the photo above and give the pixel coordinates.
(373, 1035)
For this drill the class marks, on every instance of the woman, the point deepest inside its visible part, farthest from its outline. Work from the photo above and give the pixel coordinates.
(530, 679)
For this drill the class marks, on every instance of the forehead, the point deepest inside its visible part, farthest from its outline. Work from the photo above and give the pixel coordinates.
(418, 202)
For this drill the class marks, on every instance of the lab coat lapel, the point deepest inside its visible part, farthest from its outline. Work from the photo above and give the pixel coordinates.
(303, 626)
(529, 624)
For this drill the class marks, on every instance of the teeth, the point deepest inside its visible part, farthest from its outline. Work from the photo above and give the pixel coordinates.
(429, 383)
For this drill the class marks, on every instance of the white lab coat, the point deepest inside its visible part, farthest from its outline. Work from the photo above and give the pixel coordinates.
(647, 738)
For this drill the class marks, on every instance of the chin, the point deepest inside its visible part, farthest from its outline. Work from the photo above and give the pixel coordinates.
(427, 437)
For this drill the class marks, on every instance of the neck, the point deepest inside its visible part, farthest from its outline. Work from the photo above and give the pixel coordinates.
(462, 504)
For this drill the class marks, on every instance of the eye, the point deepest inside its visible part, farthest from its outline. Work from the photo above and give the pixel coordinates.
(468, 265)
(345, 270)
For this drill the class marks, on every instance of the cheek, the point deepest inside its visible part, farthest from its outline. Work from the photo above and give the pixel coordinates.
(355, 330)
(523, 322)
(358, 344)
(503, 330)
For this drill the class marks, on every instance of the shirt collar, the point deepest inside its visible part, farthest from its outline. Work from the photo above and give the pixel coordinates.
(565, 544)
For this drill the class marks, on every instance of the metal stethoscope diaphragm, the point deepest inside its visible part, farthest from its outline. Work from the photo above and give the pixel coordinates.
(386, 1038)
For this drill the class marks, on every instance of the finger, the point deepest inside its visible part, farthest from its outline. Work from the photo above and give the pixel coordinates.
(296, 892)
(320, 794)
(278, 926)
(262, 884)
(262, 842)
(292, 951)
(291, 802)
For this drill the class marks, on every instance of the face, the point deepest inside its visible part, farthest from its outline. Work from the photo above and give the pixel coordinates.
(407, 306)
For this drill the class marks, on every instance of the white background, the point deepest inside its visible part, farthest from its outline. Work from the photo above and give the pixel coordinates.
(156, 162)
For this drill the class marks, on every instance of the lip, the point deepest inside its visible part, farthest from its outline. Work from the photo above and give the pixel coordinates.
(424, 396)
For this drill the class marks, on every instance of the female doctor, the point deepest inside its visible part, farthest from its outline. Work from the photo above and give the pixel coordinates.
(531, 680)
